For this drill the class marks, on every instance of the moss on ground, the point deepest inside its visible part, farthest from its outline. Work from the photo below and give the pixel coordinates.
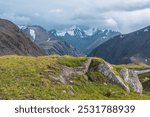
(95, 62)
(32, 78)
(132, 66)
(72, 61)
(97, 77)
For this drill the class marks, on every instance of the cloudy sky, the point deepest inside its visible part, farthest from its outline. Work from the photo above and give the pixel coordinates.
(122, 15)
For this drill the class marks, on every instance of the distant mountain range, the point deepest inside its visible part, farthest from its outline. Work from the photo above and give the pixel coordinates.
(48, 42)
(14, 42)
(84, 39)
(73, 41)
(127, 48)
(112, 46)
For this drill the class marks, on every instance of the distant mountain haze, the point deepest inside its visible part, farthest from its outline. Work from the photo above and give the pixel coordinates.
(48, 42)
(84, 39)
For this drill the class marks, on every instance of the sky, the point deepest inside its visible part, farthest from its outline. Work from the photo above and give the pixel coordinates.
(122, 15)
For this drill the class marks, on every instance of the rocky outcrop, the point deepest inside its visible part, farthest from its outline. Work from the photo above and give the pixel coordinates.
(131, 77)
(68, 71)
(86, 65)
(107, 70)
(126, 79)
(139, 72)
(144, 76)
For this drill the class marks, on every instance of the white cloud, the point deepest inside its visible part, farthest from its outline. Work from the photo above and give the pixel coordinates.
(15, 18)
(130, 20)
(122, 15)
(56, 10)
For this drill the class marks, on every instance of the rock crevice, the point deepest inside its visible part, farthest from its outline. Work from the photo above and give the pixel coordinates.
(68, 71)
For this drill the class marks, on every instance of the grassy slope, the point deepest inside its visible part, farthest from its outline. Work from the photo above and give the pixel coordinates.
(30, 78)
(132, 66)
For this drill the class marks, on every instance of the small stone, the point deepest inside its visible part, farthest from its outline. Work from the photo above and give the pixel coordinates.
(64, 91)
(71, 93)
(105, 83)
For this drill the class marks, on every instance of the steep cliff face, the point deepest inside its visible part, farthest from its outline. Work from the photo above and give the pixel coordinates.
(13, 41)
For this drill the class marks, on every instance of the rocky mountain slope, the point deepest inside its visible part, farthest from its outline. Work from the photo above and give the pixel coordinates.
(66, 77)
(14, 42)
(127, 48)
(48, 42)
(84, 39)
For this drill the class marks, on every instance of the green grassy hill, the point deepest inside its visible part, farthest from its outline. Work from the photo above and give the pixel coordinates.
(34, 78)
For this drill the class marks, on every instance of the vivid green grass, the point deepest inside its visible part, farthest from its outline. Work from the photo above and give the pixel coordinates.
(95, 90)
(95, 62)
(132, 66)
(31, 78)
(117, 68)
(146, 75)
(72, 61)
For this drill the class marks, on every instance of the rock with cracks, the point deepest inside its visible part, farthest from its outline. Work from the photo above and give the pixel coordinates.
(126, 79)
(131, 77)
(107, 70)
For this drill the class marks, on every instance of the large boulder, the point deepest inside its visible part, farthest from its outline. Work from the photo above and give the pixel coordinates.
(108, 71)
(131, 77)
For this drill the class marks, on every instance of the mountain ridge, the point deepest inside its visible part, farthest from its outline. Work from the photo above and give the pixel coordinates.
(48, 42)
(89, 38)
(126, 48)
(13, 41)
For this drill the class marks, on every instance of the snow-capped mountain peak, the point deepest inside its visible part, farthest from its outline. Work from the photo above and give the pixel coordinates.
(84, 38)
(90, 31)
(74, 27)
(72, 31)
(79, 32)
(22, 27)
